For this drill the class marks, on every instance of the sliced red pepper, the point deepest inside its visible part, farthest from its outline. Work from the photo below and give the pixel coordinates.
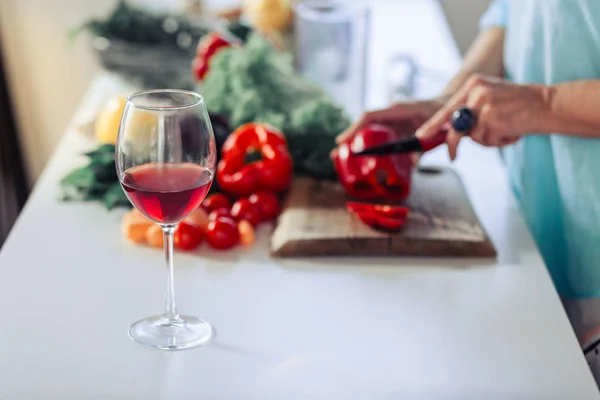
(380, 223)
(385, 210)
(238, 176)
(386, 177)
(208, 47)
(380, 217)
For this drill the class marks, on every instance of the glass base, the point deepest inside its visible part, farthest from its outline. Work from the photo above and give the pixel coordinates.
(183, 332)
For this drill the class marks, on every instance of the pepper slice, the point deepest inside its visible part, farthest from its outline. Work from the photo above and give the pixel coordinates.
(381, 217)
(207, 47)
(239, 176)
(384, 177)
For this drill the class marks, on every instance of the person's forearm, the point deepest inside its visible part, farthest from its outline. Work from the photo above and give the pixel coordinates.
(485, 56)
(572, 108)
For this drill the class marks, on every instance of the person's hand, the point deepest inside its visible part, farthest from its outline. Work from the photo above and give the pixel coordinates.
(504, 111)
(404, 118)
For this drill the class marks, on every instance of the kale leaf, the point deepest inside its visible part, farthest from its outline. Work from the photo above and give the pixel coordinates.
(96, 181)
(258, 83)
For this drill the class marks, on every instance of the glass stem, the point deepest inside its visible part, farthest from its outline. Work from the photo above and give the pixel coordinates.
(170, 306)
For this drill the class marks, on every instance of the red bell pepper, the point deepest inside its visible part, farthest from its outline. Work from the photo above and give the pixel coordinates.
(208, 47)
(380, 217)
(239, 176)
(386, 177)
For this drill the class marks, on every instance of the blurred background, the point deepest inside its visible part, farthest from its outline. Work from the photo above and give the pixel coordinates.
(47, 67)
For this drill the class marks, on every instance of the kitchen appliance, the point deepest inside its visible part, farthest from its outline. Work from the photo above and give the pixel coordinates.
(331, 39)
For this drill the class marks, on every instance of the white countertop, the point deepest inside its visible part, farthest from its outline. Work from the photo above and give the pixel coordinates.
(378, 328)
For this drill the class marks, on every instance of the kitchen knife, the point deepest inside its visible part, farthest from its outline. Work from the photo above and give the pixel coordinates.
(462, 121)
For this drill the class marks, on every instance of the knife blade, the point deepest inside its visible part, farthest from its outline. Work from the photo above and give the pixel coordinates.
(462, 121)
(408, 145)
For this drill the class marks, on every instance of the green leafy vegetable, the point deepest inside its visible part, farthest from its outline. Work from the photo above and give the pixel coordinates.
(258, 83)
(115, 197)
(136, 25)
(96, 181)
(242, 31)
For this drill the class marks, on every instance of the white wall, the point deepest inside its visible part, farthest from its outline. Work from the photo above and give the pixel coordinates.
(48, 75)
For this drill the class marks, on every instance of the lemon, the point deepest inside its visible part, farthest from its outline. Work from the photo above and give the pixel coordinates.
(140, 125)
(268, 15)
(106, 127)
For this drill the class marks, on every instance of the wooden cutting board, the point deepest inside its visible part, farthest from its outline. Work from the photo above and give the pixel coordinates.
(441, 222)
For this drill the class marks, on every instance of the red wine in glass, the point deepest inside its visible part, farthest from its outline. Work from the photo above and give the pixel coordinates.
(165, 158)
(166, 192)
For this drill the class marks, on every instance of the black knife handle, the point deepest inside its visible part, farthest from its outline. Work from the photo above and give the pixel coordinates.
(463, 120)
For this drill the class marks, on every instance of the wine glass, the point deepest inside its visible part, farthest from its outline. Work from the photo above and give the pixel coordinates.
(165, 159)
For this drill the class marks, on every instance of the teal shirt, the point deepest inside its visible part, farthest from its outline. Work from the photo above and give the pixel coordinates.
(556, 178)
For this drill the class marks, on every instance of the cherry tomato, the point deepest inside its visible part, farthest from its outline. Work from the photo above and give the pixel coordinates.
(244, 209)
(247, 235)
(216, 201)
(267, 203)
(187, 236)
(221, 212)
(222, 233)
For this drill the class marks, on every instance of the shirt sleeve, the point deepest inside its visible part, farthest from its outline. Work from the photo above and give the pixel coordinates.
(496, 15)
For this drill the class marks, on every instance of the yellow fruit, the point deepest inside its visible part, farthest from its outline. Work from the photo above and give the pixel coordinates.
(268, 15)
(140, 124)
(107, 123)
(135, 225)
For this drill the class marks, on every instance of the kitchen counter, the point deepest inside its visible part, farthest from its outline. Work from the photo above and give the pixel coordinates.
(341, 328)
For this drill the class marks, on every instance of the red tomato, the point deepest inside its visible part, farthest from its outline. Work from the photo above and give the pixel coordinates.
(222, 233)
(187, 236)
(267, 203)
(221, 212)
(216, 201)
(244, 209)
